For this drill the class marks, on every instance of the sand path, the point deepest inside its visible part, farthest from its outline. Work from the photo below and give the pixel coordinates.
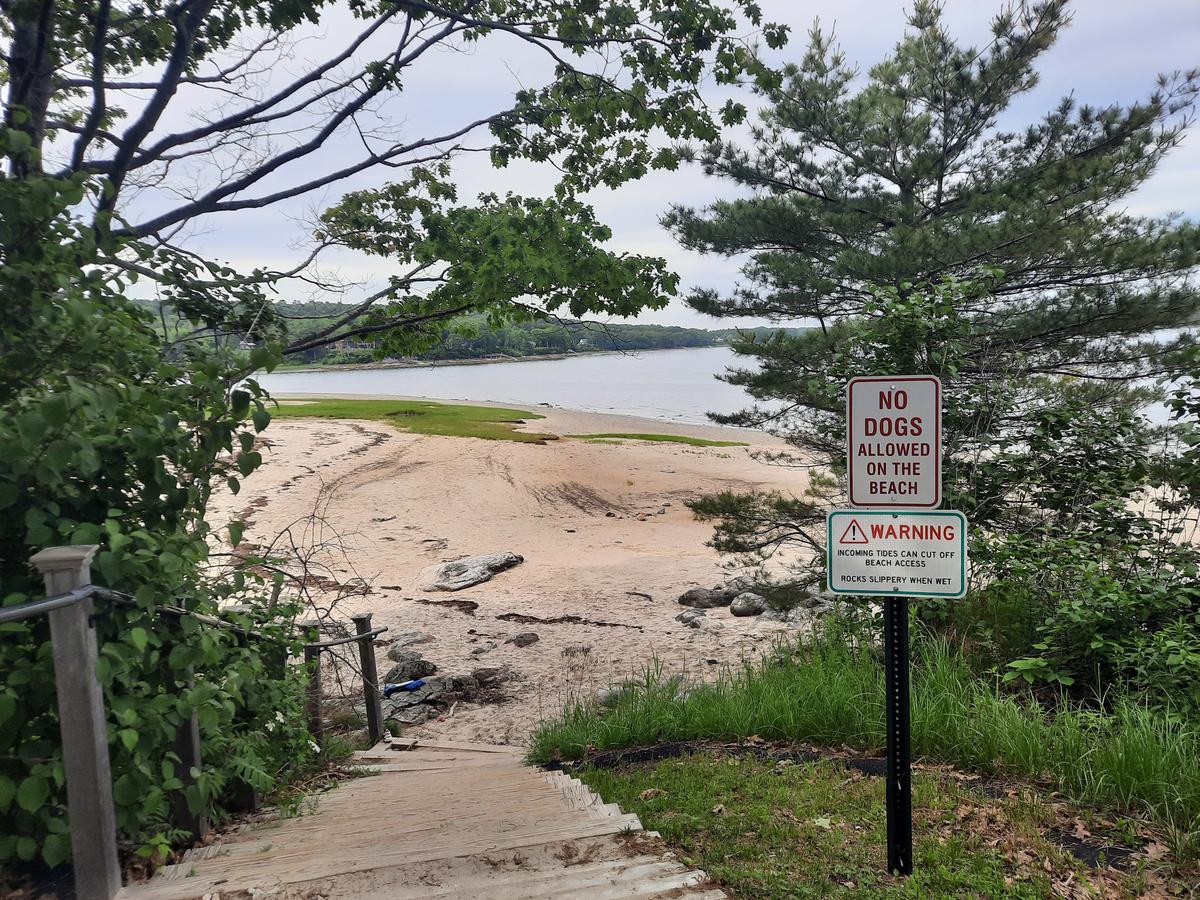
(394, 503)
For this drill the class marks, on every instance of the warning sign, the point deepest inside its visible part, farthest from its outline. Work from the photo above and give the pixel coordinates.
(853, 534)
(894, 431)
(918, 553)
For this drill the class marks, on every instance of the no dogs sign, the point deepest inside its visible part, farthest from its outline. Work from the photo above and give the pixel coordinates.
(894, 430)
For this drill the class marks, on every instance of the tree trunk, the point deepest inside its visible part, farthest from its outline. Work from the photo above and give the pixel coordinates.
(30, 80)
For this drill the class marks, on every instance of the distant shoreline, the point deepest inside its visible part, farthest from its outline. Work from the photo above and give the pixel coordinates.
(480, 361)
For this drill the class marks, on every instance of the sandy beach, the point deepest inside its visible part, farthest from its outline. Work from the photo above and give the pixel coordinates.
(603, 528)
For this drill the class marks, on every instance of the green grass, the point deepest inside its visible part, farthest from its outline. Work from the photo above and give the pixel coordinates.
(823, 691)
(611, 437)
(763, 830)
(424, 417)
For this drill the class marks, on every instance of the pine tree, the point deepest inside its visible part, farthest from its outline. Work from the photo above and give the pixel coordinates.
(860, 198)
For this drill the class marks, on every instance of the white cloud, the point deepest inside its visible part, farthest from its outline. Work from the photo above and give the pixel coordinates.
(1112, 52)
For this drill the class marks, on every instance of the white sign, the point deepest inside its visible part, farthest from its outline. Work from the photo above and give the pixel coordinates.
(922, 553)
(895, 441)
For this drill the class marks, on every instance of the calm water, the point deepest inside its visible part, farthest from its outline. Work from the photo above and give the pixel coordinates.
(674, 385)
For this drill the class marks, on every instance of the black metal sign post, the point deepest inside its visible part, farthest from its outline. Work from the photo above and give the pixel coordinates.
(874, 548)
(899, 750)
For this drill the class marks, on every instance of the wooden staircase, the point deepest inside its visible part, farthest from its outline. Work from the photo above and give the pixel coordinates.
(439, 820)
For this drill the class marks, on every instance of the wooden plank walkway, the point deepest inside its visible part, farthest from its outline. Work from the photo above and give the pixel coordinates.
(439, 820)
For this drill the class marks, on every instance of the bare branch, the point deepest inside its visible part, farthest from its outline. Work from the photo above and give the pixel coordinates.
(187, 18)
(96, 114)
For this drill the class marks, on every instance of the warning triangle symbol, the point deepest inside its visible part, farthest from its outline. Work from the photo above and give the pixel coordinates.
(853, 534)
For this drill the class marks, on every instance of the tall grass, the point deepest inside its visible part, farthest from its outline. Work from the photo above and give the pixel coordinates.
(829, 690)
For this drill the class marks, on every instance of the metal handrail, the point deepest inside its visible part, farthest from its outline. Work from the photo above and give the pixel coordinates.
(82, 720)
(364, 638)
(337, 642)
(58, 601)
(45, 605)
(178, 612)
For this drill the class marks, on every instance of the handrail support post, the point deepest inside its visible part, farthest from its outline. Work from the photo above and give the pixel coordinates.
(82, 721)
(370, 676)
(312, 700)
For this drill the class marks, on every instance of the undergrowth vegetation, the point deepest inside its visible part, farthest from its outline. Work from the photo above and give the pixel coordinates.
(776, 829)
(827, 689)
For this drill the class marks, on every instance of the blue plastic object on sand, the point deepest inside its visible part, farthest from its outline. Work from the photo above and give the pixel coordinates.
(389, 689)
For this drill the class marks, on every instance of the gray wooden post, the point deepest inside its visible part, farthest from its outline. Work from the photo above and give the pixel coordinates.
(82, 722)
(187, 745)
(366, 655)
(312, 700)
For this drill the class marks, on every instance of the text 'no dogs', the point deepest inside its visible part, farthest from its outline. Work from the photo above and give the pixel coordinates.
(895, 442)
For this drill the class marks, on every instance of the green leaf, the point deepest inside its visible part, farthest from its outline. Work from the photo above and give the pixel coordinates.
(56, 849)
(128, 737)
(8, 706)
(33, 793)
(236, 530)
(248, 462)
(139, 638)
(55, 409)
(26, 848)
(126, 790)
(18, 142)
(8, 790)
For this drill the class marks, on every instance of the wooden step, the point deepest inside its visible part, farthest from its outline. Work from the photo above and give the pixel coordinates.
(445, 820)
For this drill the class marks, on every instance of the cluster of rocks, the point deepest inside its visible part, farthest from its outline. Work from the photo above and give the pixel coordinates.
(409, 665)
(721, 595)
(743, 598)
(696, 618)
(644, 515)
(439, 692)
(661, 511)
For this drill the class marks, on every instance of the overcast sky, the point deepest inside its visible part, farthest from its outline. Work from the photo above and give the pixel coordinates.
(1111, 52)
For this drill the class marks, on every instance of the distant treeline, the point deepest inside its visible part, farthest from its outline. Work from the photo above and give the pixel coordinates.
(472, 338)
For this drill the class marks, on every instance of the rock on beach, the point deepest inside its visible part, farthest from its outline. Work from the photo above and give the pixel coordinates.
(408, 666)
(468, 571)
(721, 595)
(748, 604)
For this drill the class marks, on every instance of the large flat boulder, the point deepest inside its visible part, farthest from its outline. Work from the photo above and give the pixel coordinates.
(430, 690)
(470, 570)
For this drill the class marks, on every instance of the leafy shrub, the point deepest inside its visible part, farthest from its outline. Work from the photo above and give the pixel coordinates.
(104, 440)
(1089, 581)
(349, 357)
(1110, 618)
